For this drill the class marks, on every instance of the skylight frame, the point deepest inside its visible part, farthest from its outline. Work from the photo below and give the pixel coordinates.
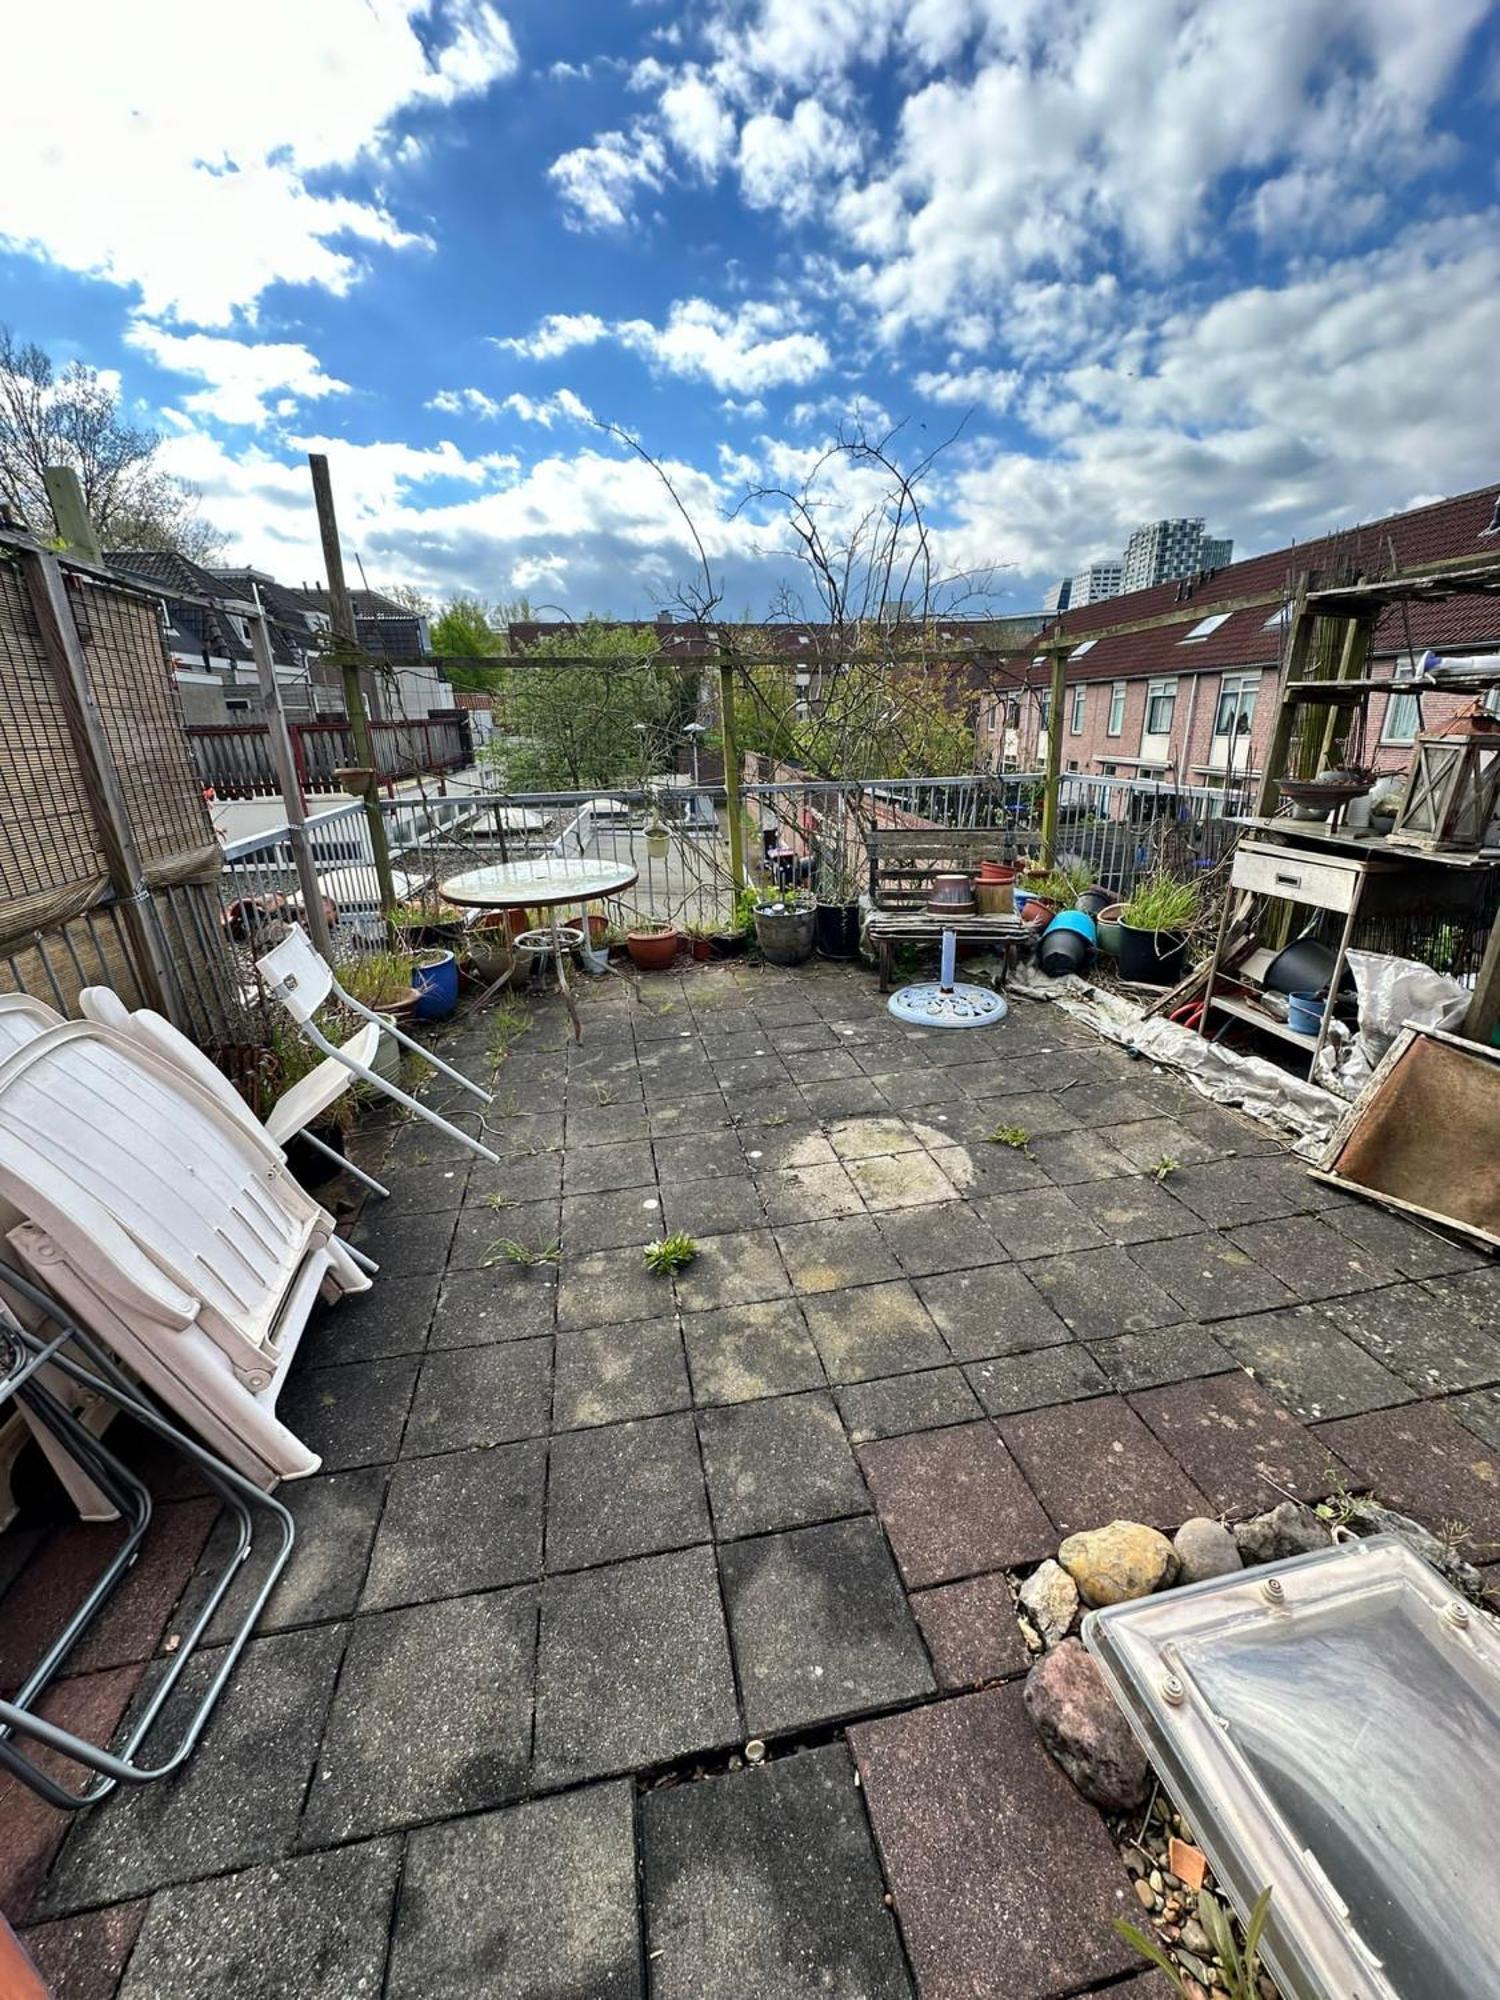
(1205, 628)
(1083, 646)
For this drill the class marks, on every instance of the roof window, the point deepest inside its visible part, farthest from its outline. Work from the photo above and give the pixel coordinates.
(1203, 627)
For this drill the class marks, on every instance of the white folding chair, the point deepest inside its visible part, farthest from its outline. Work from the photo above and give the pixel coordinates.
(301, 981)
(292, 1112)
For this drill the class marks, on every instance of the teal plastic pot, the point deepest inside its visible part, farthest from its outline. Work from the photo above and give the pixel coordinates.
(1067, 943)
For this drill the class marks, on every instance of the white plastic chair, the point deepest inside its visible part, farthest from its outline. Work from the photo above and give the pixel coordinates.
(292, 1112)
(22, 1019)
(301, 981)
(172, 1229)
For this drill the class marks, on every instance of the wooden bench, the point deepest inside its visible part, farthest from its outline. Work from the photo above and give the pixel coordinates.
(902, 867)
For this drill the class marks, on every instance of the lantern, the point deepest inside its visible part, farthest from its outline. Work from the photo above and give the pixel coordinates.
(1453, 784)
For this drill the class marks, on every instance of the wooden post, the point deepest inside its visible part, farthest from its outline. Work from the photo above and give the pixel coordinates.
(1052, 782)
(74, 527)
(291, 791)
(150, 956)
(1484, 1008)
(341, 611)
(1353, 655)
(733, 804)
(1279, 748)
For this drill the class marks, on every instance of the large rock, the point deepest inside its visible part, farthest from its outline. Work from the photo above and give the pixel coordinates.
(1204, 1548)
(1083, 1730)
(1288, 1530)
(1368, 1517)
(1049, 1597)
(1121, 1561)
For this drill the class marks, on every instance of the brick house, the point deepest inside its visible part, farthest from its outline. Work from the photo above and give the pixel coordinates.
(1175, 702)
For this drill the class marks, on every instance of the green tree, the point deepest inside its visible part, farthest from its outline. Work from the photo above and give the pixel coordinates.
(615, 721)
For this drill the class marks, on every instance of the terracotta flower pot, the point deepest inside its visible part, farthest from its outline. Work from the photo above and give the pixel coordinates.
(652, 951)
(996, 871)
(1038, 913)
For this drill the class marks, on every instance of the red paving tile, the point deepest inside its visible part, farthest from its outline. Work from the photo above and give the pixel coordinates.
(1006, 1884)
(1094, 1462)
(971, 1632)
(954, 1503)
(1241, 1449)
(30, 1830)
(83, 1958)
(1421, 1461)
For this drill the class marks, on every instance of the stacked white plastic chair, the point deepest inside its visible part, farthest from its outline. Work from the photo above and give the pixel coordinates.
(168, 1222)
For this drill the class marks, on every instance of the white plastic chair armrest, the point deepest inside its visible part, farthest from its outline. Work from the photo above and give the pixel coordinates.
(88, 1236)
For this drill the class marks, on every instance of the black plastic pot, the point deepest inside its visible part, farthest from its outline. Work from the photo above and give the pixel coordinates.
(729, 944)
(1152, 958)
(1093, 901)
(311, 1169)
(1304, 966)
(836, 930)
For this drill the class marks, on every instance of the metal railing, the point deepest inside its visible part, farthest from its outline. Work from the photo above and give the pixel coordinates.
(235, 760)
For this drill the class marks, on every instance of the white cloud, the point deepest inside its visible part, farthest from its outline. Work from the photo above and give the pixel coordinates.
(189, 162)
(787, 163)
(749, 348)
(697, 121)
(599, 183)
(241, 375)
(546, 412)
(993, 388)
(464, 403)
(555, 335)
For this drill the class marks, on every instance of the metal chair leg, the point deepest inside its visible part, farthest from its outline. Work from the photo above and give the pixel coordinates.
(348, 1166)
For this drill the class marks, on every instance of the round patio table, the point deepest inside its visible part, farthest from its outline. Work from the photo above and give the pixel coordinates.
(550, 883)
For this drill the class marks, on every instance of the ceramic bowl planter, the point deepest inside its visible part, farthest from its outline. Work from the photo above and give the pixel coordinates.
(836, 929)
(1108, 922)
(785, 933)
(487, 947)
(1152, 958)
(435, 980)
(651, 951)
(1067, 944)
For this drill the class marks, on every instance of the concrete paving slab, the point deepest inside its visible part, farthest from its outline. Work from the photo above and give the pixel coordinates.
(432, 1717)
(505, 1302)
(1161, 1354)
(1042, 1222)
(1315, 1260)
(711, 1208)
(971, 1632)
(1239, 1447)
(596, 1169)
(988, 1312)
(1032, 1381)
(608, 1287)
(943, 1236)
(625, 1218)
(1307, 1362)
(733, 1270)
(1096, 1462)
(609, 1374)
(508, 1905)
(829, 1256)
(1210, 1276)
(1414, 1251)
(468, 1396)
(1099, 1293)
(466, 1521)
(742, 1352)
(1005, 1882)
(871, 1331)
(808, 1194)
(391, 1318)
(893, 1405)
(1423, 1462)
(624, 1490)
(314, 1928)
(1133, 1208)
(890, 1181)
(633, 1668)
(352, 1415)
(780, 1463)
(954, 1503)
(481, 1241)
(763, 1885)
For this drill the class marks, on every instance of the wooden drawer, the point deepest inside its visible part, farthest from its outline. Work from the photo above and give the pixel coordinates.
(1320, 880)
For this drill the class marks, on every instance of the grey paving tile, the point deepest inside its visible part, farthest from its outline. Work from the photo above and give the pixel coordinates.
(625, 1217)
(426, 1190)
(1308, 1363)
(468, 1520)
(1420, 1460)
(820, 1626)
(391, 1318)
(608, 1124)
(808, 1194)
(506, 1302)
(988, 1312)
(633, 1667)
(608, 1374)
(1133, 1209)
(872, 1330)
(953, 1503)
(1099, 1293)
(404, 1244)
(788, 1144)
(483, 1236)
(432, 1716)
(741, 1352)
(739, 1269)
(1038, 1113)
(235, 1800)
(1146, 1142)
(712, 1208)
(1479, 1412)
(608, 1287)
(896, 1404)
(828, 1256)
(946, 1236)
(335, 1516)
(762, 1884)
(351, 1415)
(533, 1898)
(522, 1177)
(865, 1138)
(700, 1156)
(313, 1928)
(901, 1180)
(1476, 1295)
(1094, 1462)
(781, 1463)
(971, 1632)
(979, 1830)
(1312, 1259)
(1068, 1158)
(852, 1097)
(1227, 1193)
(1162, 1354)
(1241, 1449)
(480, 1396)
(624, 1490)
(1030, 1381)
(995, 1172)
(1041, 1222)
(594, 1169)
(1210, 1276)
(1414, 1251)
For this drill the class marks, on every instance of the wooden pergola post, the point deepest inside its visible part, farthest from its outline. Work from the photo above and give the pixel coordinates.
(1052, 778)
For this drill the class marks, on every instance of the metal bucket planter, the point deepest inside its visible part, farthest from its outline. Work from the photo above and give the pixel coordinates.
(785, 937)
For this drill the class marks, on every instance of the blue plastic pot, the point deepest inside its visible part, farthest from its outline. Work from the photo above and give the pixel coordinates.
(1304, 1012)
(435, 978)
(1067, 943)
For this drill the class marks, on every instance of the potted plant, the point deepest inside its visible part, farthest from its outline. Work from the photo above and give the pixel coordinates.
(1154, 926)
(785, 920)
(652, 950)
(381, 981)
(700, 941)
(732, 939)
(424, 923)
(435, 978)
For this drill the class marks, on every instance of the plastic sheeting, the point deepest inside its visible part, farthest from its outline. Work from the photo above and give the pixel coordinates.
(1393, 992)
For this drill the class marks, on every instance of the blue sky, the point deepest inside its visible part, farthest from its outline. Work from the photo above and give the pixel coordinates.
(1144, 256)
